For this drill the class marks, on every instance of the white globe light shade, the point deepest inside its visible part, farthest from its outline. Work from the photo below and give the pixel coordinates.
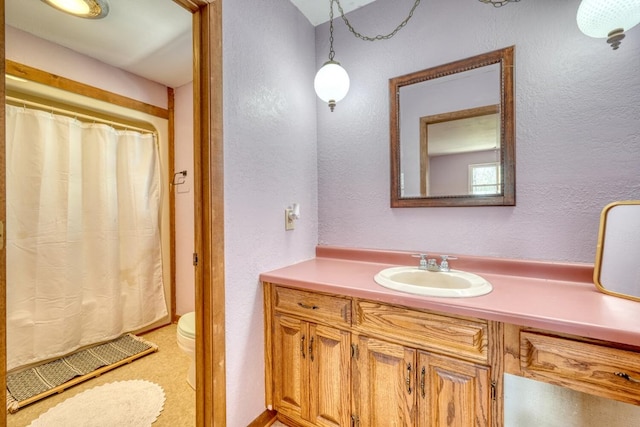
(331, 82)
(597, 18)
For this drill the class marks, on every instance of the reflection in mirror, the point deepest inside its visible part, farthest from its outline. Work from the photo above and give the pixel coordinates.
(617, 270)
(452, 134)
(459, 153)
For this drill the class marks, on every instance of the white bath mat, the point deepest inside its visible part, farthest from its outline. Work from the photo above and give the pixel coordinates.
(134, 403)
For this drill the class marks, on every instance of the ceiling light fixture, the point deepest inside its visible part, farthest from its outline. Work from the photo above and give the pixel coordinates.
(91, 9)
(332, 81)
(608, 19)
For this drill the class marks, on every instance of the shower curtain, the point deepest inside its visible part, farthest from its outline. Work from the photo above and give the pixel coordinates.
(84, 260)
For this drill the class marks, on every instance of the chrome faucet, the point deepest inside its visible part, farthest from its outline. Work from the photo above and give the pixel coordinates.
(423, 260)
(431, 264)
(444, 264)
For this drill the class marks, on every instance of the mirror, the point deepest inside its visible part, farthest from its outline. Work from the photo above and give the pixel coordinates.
(453, 134)
(617, 271)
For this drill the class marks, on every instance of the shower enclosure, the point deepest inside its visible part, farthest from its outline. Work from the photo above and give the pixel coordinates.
(84, 252)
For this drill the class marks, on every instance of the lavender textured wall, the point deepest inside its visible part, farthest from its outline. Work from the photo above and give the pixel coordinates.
(577, 130)
(184, 200)
(270, 162)
(28, 49)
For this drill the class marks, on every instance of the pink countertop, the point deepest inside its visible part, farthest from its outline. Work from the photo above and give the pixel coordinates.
(553, 296)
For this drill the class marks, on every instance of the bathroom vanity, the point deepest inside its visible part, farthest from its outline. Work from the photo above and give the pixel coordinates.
(343, 351)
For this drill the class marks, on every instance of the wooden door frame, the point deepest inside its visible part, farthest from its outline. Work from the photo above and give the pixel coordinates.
(208, 211)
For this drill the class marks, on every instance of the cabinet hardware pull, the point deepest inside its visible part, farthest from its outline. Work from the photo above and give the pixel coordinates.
(302, 347)
(311, 348)
(354, 351)
(355, 421)
(408, 381)
(493, 390)
(308, 307)
(422, 377)
(627, 377)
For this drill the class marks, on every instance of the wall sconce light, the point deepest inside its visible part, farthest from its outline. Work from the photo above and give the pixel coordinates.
(332, 81)
(92, 9)
(608, 19)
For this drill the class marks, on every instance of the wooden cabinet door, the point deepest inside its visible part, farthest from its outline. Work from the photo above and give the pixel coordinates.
(291, 372)
(330, 376)
(312, 372)
(452, 393)
(384, 384)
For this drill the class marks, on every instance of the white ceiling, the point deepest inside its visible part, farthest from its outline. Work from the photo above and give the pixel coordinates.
(150, 38)
(317, 11)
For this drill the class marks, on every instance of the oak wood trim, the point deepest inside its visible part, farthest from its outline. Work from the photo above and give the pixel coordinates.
(171, 106)
(59, 82)
(3, 218)
(265, 419)
(193, 5)
(496, 362)
(209, 216)
(268, 290)
(512, 349)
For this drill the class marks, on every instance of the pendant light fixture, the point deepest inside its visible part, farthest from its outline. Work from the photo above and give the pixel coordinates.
(91, 9)
(608, 19)
(498, 3)
(332, 81)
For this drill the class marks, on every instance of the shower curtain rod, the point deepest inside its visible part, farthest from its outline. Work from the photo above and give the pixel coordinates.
(18, 102)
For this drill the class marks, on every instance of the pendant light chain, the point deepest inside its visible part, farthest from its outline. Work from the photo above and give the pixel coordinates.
(378, 37)
(331, 51)
(498, 3)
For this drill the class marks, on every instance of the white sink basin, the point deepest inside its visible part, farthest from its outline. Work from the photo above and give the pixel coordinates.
(454, 283)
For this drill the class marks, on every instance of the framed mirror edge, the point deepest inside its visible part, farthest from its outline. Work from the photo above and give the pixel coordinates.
(597, 268)
(504, 57)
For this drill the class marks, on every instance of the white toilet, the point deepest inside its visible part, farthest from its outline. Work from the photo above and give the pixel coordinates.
(186, 333)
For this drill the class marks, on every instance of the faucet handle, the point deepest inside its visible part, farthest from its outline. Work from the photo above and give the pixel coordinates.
(444, 264)
(423, 260)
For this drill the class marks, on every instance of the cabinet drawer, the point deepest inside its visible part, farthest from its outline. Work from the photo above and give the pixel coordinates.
(455, 336)
(590, 368)
(335, 311)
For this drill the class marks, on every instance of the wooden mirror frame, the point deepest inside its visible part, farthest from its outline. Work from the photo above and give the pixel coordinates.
(504, 57)
(619, 251)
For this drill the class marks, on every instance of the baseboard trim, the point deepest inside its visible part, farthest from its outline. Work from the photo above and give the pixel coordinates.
(265, 419)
